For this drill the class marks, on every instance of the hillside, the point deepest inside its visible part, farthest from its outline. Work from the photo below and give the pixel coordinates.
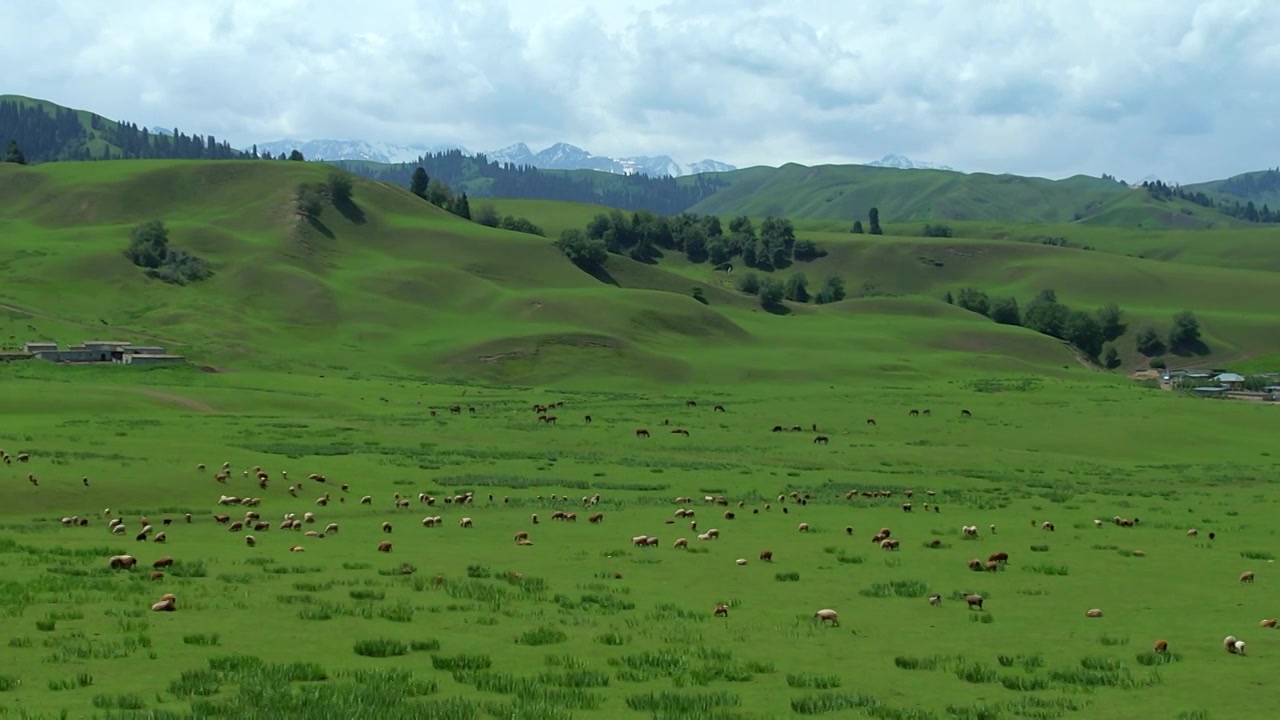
(1260, 188)
(399, 287)
(1225, 275)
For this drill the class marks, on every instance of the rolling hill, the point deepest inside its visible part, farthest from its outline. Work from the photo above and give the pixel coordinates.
(401, 288)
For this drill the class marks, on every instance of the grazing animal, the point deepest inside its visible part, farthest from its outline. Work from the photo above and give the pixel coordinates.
(718, 408)
(160, 538)
(821, 440)
(827, 615)
(803, 527)
(1094, 613)
(1047, 526)
(1229, 643)
(913, 413)
(906, 507)
(1161, 646)
(250, 540)
(935, 600)
(586, 419)
(1268, 623)
(384, 546)
(680, 543)
(848, 530)
(1000, 557)
(168, 603)
(871, 421)
(767, 556)
(123, 562)
(777, 428)
(163, 562)
(642, 433)
(974, 601)
(465, 522)
(1193, 532)
(741, 561)
(680, 431)
(522, 535)
(965, 413)
(386, 527)
(596, 518)
(1246, 577)
(1239, 647)
(721, 610)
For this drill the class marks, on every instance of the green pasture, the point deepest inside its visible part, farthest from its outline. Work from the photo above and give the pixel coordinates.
(583, 623)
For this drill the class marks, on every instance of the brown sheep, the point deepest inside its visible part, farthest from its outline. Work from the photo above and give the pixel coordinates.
(721, 610)
(596, 519)
(384, 546)
(889, 544)
(991, 566)
(160, 537)
(767, 556)
(386, 527)
(163, 562)
(522, 535)
(1094, 613)
(250, 540)
(828, 615)
(681, 543)
(728, 515)
(974, 601)
(1000, 557)
(168, 603)
(156, 576)
(1161, 646)
(1268, 623)
(1246, 577)
(1193, 532)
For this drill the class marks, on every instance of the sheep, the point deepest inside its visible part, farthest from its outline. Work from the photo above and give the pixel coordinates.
(596, 518)
(766, 555)
(308, 517)
(168, 603)
(160, 538)
(714, 534)
(803, 527)
(935, 600)
(1246, 577)
(680, 543)
(1000, 557)
(1193, 532)
(1239, 647)
(1161, 646)
(156, 576)
(1229, 643)
(384, 546)
(163, 562)
(1268, 623)
(386, 527)
(651, 541)
(123, 562)
(464, 522)
(975, 564)
(906, 507)
(827, 615)
(522, 535)
(1094, 613)
(297, 548)
(1047, 526)
(534, 519)
(741, 561)
(1097, 523)
(974, 601)
(969, 530)
(117, 529)
(721, 610)
(889, 544)
(250, 540)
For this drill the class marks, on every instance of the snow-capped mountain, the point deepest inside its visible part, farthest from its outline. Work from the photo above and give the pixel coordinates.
(353, 150)
(902, 162)
(561, 156)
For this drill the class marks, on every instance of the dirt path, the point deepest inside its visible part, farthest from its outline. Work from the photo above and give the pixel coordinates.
(185, 402)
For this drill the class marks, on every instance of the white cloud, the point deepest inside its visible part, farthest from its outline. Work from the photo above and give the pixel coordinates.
(1180, 88)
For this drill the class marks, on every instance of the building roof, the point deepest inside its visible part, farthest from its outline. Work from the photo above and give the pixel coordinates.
(1229, 377)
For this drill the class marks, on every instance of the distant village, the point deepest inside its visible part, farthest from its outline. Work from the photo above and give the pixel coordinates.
(1223, 383)
(96, 352)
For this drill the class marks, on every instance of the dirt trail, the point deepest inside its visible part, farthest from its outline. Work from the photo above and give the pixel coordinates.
(185, 402)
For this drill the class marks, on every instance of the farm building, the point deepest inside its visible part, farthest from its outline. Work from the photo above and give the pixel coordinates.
(102, 351)
(1230, 380)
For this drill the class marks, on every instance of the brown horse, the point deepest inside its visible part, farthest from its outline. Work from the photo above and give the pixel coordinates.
(821, 440)
(642, 433)
(913, 413)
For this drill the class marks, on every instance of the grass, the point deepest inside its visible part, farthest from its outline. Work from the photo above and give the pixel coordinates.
(585, 624)
(341, 355)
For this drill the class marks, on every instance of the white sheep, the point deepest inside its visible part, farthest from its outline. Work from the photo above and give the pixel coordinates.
(827, 615)
(1239, 647)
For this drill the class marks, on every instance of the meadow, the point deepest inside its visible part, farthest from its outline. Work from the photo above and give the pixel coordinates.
(460, 622)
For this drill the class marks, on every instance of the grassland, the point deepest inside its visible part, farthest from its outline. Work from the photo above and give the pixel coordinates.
(582, 623)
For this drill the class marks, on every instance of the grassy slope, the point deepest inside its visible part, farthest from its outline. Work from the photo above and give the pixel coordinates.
(1224, 274)
(1265, 194)
(406, 290)
(1065, 451)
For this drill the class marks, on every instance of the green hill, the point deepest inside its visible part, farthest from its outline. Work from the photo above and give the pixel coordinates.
(402, 288)
(1260, 188)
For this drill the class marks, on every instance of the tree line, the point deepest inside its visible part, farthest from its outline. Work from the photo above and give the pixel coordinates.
(486, 178)
(1247, 212)
(1089, 332)
(438, 193)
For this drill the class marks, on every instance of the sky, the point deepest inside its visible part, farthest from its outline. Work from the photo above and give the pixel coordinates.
(1181, 89)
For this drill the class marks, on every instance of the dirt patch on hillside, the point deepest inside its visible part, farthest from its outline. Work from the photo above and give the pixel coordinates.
(186, 402)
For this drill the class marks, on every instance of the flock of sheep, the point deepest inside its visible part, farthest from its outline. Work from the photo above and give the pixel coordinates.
(252, 521)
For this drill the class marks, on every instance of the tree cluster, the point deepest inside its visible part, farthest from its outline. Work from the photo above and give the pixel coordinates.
(795, 288)
(1089, 332)
(643, 236)
(149, 249)
(337, 190)
(1182, 336)
(1268, 181)
(14, 154)
(438, 193)
(873, 224)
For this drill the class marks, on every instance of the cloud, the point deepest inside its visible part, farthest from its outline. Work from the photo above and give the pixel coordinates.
(1180, 88)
